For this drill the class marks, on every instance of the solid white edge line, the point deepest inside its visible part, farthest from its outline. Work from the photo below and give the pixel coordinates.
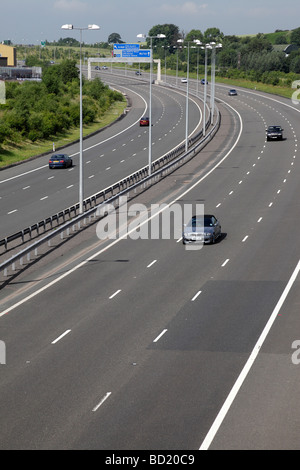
(83, 263)
(235, 389)
(103, 141)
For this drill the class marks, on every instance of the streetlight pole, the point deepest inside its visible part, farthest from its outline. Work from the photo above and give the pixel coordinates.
(214, 46)
(187, 97)
(198, 43)
(90, 26)
(205, 47)
(159, 36)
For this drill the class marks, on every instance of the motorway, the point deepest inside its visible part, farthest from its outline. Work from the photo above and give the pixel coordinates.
(140, 344)
(31, 192)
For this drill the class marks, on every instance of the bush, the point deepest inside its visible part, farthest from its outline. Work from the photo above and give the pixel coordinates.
(4, 133)
(34, 135)
(39, 110)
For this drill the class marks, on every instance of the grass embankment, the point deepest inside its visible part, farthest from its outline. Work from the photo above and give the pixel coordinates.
(231, 82)
(19, 152)
(258, 86)
(11, 154)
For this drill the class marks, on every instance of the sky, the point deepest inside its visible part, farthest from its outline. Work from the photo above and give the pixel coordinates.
(33, 21)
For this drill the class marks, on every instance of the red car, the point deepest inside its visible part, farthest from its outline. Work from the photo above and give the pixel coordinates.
(144, 121)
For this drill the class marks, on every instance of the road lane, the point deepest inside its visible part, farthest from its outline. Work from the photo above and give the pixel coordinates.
(108, 157)
(163, 394)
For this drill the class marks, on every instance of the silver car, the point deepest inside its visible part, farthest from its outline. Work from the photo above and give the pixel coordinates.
(202, 229)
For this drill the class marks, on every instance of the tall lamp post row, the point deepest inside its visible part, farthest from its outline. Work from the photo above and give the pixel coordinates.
(213, 46)
(92, 27)
(143, 36)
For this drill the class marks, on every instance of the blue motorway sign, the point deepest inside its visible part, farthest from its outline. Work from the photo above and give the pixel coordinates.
(123, 46)
(130, 51)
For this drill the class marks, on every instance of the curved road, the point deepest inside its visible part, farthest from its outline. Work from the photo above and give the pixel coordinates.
(31, 192)
(146, 345)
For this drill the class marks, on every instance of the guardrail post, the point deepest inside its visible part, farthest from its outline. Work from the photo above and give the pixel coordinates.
(139, 178)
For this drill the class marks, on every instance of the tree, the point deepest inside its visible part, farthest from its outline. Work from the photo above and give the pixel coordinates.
(258, 44)
(295, 37)
(52, 79)
(171, 31)
(194, 34)
(70, 42)
(295, 64)
(114, 38)
(68, 70)
(213, 34)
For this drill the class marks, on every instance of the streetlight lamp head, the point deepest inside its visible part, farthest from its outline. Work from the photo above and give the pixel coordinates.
(143, 36)
(161, 36)
(67, 26)
(93, 26)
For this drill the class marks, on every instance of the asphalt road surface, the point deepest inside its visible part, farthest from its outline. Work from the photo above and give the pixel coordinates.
(31, 192)
(141, 344)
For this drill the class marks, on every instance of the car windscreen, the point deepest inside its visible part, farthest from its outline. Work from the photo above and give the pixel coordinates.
(201, 222)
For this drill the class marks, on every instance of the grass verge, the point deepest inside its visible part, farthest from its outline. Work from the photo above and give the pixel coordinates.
(258, 86)
(17, 152)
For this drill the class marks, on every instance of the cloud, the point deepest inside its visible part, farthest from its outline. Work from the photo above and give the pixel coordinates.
(187, 8)
(70, 5)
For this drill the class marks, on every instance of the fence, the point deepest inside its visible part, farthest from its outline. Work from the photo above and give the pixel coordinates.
(129, 186)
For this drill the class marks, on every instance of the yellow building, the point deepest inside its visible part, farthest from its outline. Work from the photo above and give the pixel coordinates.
(8, 56)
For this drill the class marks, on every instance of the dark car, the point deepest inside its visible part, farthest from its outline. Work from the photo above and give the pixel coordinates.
(274, 133)
(144, 121)
(203, 81)
(232, 92)
(202, 229)
(60, 161)
(138, 73)
(97, 67)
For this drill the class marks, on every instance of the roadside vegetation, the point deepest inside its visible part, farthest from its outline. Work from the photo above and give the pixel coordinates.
(36, 114)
